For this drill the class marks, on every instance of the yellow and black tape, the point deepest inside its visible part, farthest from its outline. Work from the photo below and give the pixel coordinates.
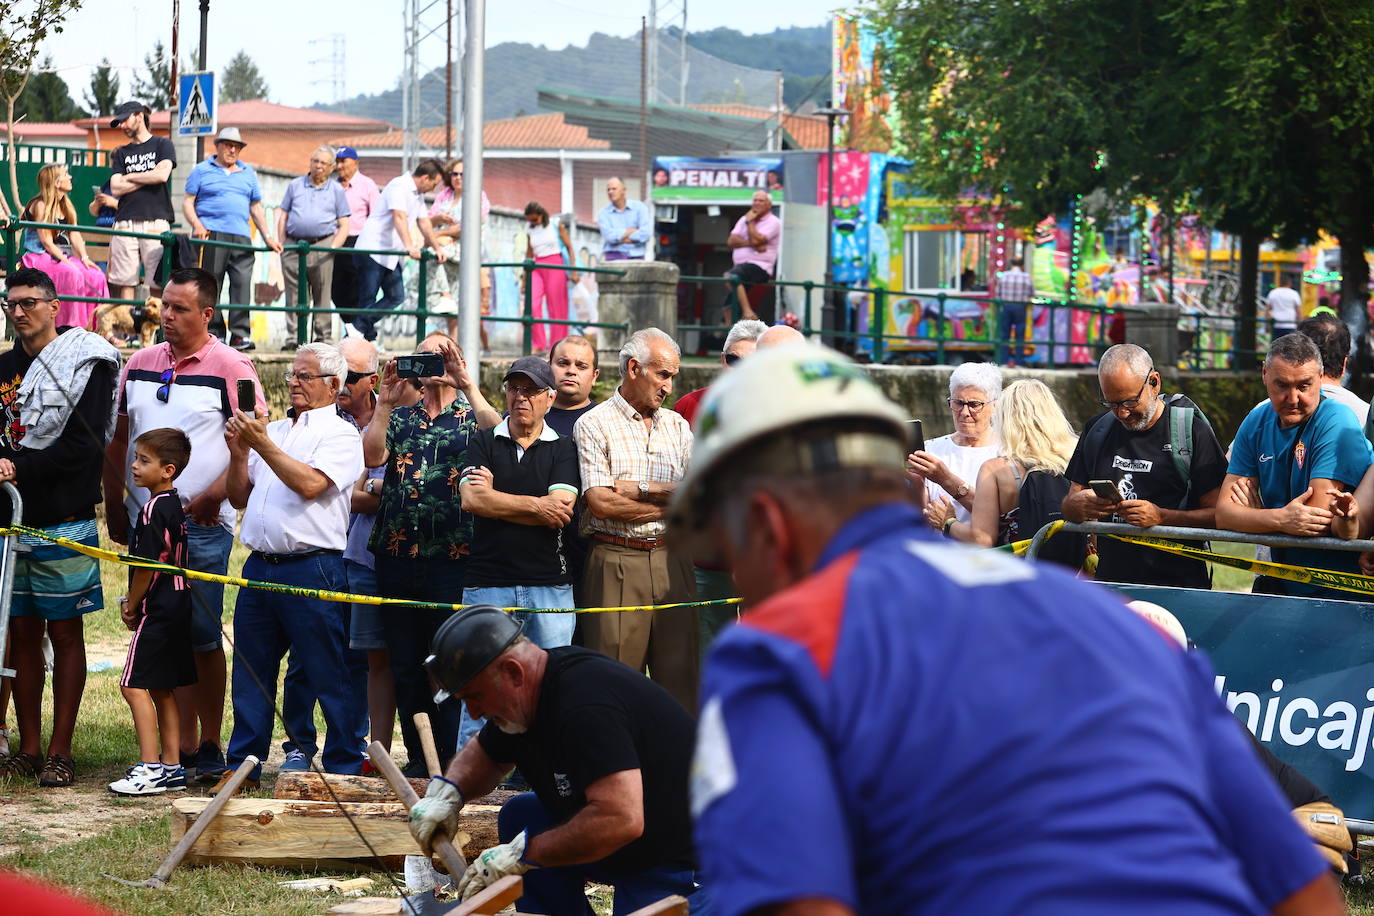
(111, 556)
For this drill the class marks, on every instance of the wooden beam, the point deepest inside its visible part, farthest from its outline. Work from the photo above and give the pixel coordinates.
(668, 906)
(492, 900)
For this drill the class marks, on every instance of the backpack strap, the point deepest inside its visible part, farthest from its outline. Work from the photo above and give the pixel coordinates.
(1181, 441)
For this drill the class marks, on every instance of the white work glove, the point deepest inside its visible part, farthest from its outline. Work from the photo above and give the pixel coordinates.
(438, 810)
(493, 865)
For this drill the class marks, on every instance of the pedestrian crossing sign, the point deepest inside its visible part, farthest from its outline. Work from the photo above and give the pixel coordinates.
(197, 110)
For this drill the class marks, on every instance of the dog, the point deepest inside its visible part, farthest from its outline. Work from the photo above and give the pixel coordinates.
(115, 323)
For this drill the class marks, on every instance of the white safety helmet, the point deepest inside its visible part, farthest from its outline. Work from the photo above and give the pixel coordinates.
(781, 389)
(1162, 618)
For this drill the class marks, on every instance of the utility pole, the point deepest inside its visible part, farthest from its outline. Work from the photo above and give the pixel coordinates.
(470, 267)
(828, 316)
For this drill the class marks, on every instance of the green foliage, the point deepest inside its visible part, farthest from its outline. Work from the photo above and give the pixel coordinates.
(154, 87)
(103, 94)
(46, 97)
(241, 80)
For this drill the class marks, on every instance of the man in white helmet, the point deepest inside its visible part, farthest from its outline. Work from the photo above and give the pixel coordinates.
(892, 701)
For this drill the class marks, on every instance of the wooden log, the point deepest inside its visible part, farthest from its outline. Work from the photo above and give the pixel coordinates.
(368, 906)
(493, 899)
(273, 831)
(668, 906)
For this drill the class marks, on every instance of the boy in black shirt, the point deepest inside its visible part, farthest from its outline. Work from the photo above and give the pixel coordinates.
(158, 610)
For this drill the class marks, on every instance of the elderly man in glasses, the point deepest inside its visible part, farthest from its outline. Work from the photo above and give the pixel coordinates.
(56, 390)
(188, 382)
(293, 479)
(1163, 460)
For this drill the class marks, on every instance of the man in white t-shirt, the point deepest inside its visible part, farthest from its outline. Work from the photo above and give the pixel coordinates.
(947, 468)
(388, 228)
(1284, 305)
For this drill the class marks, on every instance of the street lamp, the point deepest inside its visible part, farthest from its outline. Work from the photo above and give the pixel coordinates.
(828, 308)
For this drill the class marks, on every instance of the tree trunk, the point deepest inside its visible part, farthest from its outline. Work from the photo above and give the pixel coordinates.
(1354, 299)
(1246, 355)
(14, 170)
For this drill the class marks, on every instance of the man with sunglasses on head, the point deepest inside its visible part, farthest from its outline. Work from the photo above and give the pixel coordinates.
(56, 391)
(1165, 461)
(188, 382)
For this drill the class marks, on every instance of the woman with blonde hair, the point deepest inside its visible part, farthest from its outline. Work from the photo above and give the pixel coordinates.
(1021, 489)
(61, 254)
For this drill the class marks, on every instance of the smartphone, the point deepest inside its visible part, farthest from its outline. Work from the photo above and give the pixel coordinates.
(918, 435)
(1106, 489)
(247, 396)
(420, 365)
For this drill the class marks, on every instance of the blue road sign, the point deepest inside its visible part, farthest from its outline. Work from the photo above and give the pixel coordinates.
(197, 110)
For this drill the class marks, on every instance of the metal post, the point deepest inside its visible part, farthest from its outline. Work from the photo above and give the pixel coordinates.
(879, 322)
(200, 60)
(940, 331)
(448, 81)
(807, 286)
(302, 312)
(527, 336)
(422, 303)
(469, 281)
(1049, 354)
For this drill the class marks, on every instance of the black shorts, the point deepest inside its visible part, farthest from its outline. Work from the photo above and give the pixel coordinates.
(160, 655)
(749, 274)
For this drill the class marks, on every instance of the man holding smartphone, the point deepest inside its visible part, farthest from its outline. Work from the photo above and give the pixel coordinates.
(190, 382)
(1133, 446)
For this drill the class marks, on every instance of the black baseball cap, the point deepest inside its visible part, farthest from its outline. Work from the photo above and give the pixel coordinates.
(124, 110)
(536, 367)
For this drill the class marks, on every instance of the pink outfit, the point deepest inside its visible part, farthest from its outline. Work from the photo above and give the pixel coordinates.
(548, 299)
(72, 278)
(768, 226)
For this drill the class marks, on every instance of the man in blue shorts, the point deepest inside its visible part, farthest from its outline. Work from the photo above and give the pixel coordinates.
(901, 724)
(56, 399)
(1289, 453)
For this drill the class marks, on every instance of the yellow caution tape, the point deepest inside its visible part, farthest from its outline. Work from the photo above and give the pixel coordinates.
(110, 556)
(1325, 578)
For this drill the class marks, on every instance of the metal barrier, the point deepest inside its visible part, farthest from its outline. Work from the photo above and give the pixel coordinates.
(303, 307)
(9, 547)
(1196, 534)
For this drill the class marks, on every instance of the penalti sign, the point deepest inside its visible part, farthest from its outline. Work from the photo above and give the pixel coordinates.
(682, 179)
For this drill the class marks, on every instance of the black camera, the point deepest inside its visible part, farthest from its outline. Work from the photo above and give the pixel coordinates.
(420, 365)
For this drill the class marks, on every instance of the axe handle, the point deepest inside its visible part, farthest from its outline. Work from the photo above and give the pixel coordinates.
(207, 815)
(453, 859)
(427, 743)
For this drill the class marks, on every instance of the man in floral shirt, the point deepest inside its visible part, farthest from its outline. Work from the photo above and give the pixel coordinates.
(421, 535)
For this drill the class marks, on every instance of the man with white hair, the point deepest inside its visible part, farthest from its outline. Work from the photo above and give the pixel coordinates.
(632, 453)
(754, 250)
(292, 478)
(313, 210)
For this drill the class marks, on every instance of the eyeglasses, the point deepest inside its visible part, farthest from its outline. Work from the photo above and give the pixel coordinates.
(732, 358)
(356, 377)
(164, 391)
(527, 391)
(956, 405)
(22, 305)
(1129, 403)
(302, 376)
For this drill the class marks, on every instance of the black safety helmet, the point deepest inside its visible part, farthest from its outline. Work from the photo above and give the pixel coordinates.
(469, 641)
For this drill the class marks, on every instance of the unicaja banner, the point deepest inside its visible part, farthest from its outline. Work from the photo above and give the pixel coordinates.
(681, 179)
(1297, 672)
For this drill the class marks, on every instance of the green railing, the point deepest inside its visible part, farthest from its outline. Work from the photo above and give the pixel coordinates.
(303, 307)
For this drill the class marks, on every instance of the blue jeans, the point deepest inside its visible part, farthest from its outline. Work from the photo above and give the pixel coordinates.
(1011, 327)
(561, 891)
(547, 631)
(371, 278)
(365, 625)
(207, 550)
(266, 625)
(409, 631)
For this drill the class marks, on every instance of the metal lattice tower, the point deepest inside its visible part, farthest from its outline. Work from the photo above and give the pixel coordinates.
(431, 34)
(667, 52)
(338, 69)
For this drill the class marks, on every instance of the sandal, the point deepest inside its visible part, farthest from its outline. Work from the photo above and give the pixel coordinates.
(20, 766)
(58, 772)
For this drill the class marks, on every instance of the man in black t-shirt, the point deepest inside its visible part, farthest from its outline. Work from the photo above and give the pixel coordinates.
(141, 170)
(605, 749)
(1132, 445)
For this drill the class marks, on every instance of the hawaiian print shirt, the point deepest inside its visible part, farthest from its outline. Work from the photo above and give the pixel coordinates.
(421, 514)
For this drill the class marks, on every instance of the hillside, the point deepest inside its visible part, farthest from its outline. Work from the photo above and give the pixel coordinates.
(609, 66)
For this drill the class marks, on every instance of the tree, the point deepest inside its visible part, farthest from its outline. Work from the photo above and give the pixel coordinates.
(241, 80)
(154, 88)
(22, 30)
(46, 97)
(103, 94)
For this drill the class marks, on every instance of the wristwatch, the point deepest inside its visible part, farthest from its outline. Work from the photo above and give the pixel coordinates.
(644, 491)
(962, 491)
(369, 485)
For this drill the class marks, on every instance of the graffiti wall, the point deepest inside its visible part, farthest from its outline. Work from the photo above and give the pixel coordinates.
(857, 85)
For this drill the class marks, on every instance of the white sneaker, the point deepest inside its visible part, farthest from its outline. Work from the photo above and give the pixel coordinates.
(144, 779)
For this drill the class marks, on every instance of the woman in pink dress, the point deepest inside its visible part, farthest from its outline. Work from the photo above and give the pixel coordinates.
(61, 254)
(549, 288)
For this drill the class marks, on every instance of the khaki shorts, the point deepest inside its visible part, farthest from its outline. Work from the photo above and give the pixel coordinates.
(127, 253)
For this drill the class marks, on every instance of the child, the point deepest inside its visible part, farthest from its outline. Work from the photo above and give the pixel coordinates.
(158, 610)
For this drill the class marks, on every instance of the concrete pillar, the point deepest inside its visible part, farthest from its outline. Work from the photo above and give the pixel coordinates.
(185, 148)
(1154, 326)
(645, 297)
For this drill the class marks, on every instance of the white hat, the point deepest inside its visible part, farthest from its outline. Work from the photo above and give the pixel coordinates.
(776, 390)
(1162, 618)
(230, 135)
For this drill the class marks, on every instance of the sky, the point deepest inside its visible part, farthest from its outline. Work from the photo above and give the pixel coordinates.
(295, 56)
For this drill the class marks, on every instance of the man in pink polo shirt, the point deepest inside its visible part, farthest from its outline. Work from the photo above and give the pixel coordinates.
(363, 198)
(189, 383)
(754, 247)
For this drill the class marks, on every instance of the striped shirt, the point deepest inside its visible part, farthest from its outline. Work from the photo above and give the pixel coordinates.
(1014, 285)
(613, 444)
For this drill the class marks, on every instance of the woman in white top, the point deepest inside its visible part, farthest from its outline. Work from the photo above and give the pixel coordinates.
(944, 474)
(549, 288)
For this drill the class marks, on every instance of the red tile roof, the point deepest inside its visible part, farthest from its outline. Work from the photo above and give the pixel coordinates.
(46, 129)
(540, 131)
(260, 115)
(807, 130)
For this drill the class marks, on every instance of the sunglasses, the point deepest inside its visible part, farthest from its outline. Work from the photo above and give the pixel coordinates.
(356, 377)
(732, 358)
(164, 391)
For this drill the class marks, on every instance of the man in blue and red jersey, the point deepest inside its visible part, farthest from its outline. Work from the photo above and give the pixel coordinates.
(892, 702)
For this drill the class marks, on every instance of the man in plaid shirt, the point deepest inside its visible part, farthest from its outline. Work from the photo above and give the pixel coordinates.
(1014, 290)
